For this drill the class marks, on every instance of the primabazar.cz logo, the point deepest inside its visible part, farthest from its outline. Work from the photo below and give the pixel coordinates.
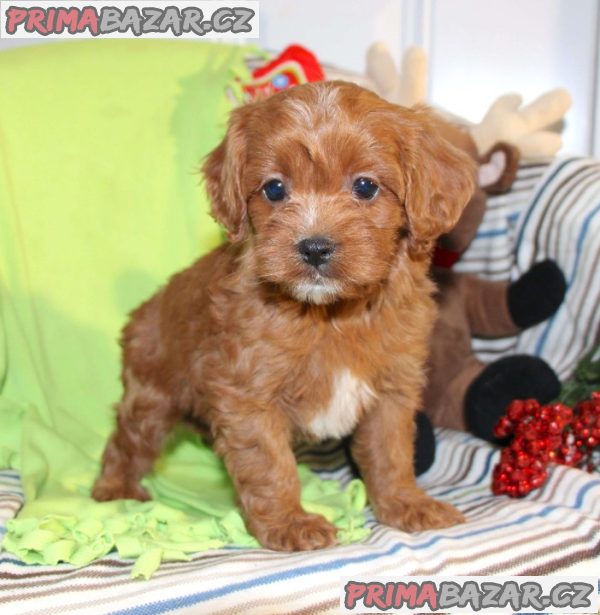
(477, 595)
(129, 19)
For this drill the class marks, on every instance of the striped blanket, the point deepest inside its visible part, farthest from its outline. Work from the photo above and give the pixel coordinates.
(555, 529)
(553, 212)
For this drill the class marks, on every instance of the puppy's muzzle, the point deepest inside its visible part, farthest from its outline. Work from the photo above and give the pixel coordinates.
(316, 251)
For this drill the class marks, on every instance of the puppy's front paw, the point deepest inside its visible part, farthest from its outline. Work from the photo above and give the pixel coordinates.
(416, 514)
(106, 490)
(300, 532)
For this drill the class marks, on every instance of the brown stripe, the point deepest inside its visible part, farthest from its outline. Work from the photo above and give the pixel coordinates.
(520, 194)
(315, 609)
(167, 569)
(555, 564)
(465, 460)
(546, 568)
(552, 199)
(501, 567)
(569, 543)
(278, 601)
(557, 221)
(575, 187)
(584, 285)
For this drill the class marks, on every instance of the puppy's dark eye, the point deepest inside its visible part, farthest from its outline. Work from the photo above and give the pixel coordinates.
(364, 188)
(274, 190)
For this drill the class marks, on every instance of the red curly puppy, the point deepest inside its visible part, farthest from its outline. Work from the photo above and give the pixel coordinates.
(313, 321)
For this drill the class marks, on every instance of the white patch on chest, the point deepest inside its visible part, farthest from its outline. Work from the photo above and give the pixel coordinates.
(349, 396)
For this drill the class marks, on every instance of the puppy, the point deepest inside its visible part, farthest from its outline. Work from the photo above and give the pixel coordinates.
(313, 321)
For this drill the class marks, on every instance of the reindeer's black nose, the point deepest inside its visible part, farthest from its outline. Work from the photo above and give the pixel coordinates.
(316, 251)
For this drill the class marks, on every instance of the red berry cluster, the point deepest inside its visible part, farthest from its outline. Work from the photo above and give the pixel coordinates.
(547, 434)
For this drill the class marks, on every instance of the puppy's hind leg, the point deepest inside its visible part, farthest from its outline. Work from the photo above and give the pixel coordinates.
(144, 418)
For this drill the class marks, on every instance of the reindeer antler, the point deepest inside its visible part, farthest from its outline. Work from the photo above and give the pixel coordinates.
(523, 126)
(407, 87)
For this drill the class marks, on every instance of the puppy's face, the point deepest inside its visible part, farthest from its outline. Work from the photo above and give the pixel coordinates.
(332, 184)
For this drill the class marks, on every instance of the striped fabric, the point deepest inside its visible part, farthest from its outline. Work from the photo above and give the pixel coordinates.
(555, 529)
(553, 212)
(11, 498)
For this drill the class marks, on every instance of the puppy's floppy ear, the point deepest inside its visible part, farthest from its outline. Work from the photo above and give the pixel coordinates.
(439, 178)
(222, 170)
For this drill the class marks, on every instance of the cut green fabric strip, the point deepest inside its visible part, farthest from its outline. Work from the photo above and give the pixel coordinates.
(193, 509)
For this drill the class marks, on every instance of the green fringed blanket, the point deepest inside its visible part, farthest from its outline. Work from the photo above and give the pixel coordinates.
(99, 204)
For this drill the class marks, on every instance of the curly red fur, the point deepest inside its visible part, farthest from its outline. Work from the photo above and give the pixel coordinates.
(262, 349)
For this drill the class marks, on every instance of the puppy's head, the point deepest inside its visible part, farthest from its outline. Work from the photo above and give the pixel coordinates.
(333, 184)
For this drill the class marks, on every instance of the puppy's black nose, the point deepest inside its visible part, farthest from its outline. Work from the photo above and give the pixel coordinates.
(316, 250)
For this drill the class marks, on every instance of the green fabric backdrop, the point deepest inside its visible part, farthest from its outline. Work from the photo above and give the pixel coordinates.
(99, 203)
